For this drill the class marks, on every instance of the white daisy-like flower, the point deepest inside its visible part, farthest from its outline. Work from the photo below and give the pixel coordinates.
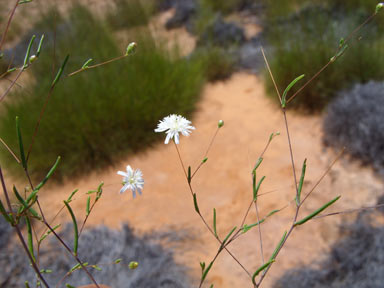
(133, 180)
(173, 125)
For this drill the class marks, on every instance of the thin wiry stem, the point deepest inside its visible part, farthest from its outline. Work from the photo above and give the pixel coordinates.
(8, 24)
(10, 150)
(96, 65)
(205, 222)
(206, 152)
(11, 85)
(347, 39)
(271, 75)
(39, 121)
(18, 231)
(349, 211)
(322, 176)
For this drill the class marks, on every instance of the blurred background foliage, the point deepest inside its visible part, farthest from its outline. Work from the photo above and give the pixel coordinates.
(97, 116)
(103, 114)
(304, 35)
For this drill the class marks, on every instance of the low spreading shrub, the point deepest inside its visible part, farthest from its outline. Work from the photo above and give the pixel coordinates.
(306, 40)
(354, 261)
(156, 265)
(355, 120)
(97, 116)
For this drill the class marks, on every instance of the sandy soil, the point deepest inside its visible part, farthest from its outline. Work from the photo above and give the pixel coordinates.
(224, 182)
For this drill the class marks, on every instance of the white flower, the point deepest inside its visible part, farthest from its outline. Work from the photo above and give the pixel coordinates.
(173, 125)
(132, 179)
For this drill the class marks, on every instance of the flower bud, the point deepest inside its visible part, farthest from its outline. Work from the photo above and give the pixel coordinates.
(379, 7)
(131, 48)
(32, 58)
(133, 265)
(220, 124)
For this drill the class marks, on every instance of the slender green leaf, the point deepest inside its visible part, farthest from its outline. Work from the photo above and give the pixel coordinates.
(195, 203)
(202, 265)
(256, 189)
(85, 65)
(340, 53)
(71, 196)
(309, 217)
(69, 286)
(78, 266)
(229, 235)
(204, 160)
(46, 271)
(38, 187)
(99, 191)
(21, 146)
(272, 136)
(246, 227)
(278, 247)
(24, 204)
(214, 222)
(88, 205)
(117, 261)
(28, 53)
(301, 182)
(284, 98)
(96, 267)
(48, 232)
(258, 163)
(60, 72)
(206, 272)
(40, 45)
(189, 175)
(30, 238)
(261, 268)
(75, 228)
(272, 212)
(6, 216)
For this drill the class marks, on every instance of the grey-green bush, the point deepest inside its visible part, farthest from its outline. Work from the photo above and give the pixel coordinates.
(355, 261)
(355, 120)
(157, 267)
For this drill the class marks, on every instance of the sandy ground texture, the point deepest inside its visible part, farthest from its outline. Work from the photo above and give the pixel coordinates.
(224, 183)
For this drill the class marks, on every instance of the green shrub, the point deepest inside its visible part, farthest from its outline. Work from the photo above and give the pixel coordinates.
(224, 7)
(279, 9)
(218, 64)
(308, 40)
(130, 13)
(95, 117)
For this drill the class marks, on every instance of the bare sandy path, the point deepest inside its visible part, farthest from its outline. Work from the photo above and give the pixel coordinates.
(224, 182)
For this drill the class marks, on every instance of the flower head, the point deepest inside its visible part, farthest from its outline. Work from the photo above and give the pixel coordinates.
(173, 125)
(132, 179)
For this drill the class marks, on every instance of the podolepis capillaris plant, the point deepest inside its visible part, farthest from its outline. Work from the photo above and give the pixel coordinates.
(29, 208)
(174, 124)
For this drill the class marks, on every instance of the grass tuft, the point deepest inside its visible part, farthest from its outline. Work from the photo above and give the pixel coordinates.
(100, 115)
